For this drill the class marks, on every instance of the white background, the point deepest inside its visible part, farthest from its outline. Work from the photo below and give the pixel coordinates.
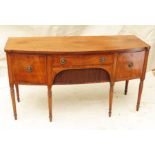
(44, 141)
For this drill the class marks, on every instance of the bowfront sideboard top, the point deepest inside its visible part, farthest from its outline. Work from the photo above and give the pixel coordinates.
(74, 44)
(75, 60)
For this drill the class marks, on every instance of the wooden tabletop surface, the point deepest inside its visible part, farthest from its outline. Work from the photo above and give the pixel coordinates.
(69, 44)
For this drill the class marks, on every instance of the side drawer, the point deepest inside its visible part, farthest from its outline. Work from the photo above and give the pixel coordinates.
(29, 68)
(129, 65)
(81, 60)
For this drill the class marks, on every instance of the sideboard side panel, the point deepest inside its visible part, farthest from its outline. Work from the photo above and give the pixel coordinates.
(10, 70)
(145, 64)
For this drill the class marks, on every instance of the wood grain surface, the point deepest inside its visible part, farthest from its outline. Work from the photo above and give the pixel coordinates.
(74, 44)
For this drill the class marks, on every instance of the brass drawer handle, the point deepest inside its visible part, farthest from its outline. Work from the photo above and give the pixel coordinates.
(130, 64)
(102, 59)
(29, 69)
(62, 61)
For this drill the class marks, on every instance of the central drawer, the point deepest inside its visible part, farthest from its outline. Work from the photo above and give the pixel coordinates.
(82, 60)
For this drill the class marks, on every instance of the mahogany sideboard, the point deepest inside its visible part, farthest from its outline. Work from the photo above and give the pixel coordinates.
(75, 60)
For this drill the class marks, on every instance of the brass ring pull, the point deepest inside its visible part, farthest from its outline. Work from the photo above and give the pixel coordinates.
(29, 69)
(102, 59)
(130, 64)
(62, 61)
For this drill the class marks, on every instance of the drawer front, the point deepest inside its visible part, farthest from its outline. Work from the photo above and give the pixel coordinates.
(81, 60)
(129, 65)
(29, 68)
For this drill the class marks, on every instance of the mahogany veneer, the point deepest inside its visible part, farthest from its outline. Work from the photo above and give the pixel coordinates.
(75, 60)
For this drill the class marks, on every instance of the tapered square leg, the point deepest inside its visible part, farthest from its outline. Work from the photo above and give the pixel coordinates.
(17, 92)
(110, 98)
(126, 87)
(139, 94)
(12, 92)
(50, 103)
